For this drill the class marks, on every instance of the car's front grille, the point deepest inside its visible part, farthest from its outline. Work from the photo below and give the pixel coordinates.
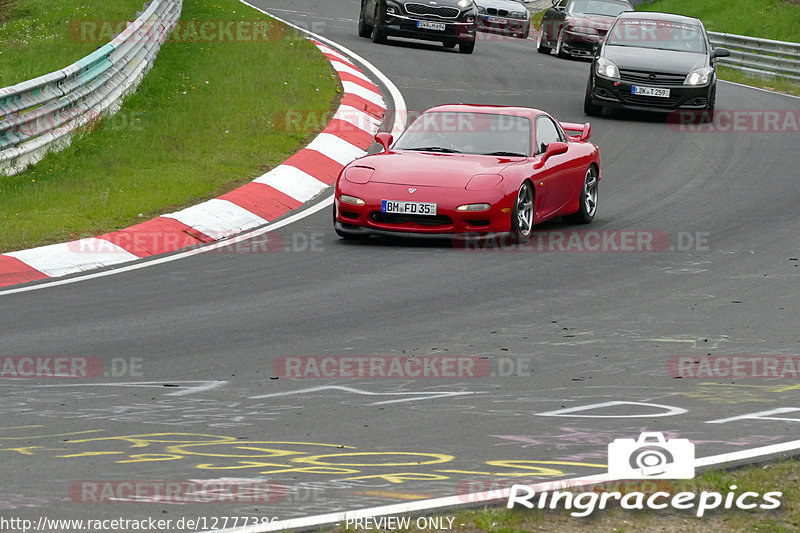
(638, 76)
(432, 11)
(422, 220)
(495, 11)
(650, 101)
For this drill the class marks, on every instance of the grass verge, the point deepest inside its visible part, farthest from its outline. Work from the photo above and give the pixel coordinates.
(38, 37)
(200, 124)
(782, 476)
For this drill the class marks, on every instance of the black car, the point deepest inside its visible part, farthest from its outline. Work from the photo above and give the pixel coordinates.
(451, 22)
(573, 27)
(654, 62)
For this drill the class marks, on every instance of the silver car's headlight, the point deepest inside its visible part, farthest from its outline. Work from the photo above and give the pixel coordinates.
(607, 68)
(481, 10)
(464, 3)
(700, 76)
(518, 15)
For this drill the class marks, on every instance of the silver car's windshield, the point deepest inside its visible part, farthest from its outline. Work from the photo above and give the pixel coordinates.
(662, 35)
(596, 7)
(468, 133)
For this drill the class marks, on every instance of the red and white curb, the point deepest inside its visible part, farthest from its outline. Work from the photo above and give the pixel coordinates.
(287, 187)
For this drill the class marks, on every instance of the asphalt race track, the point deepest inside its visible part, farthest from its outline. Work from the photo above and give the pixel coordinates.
(577, 341)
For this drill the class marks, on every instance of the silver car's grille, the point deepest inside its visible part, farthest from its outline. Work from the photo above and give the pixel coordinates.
(636, 76)
(495, 11)
(432, 11)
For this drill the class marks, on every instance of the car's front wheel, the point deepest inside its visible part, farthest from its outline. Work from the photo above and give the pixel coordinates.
(589, 107)
(522, 214)
(466, 47)
(560, 52)
(588, 199)
(378, 33)
(364, 29)
(540, 46)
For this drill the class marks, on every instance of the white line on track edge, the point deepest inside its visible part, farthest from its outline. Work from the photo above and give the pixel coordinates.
(488, 496)
(397, 128)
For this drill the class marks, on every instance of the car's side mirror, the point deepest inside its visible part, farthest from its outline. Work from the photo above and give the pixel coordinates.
(384, 138)
(554, 148)
(721, 52)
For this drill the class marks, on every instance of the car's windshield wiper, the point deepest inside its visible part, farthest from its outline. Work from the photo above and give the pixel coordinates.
(513, 154)
(435, 149)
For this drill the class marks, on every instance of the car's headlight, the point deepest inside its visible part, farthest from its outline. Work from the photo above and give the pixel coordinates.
(473, 207)
(481, 10)
(700, 76)
(351, 200)
(518, 15)
(607, 68)
(584, 30)
(464, 3)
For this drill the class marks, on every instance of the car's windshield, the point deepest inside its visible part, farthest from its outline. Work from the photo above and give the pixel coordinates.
(468, 133)
(657, 34)
(596, 7)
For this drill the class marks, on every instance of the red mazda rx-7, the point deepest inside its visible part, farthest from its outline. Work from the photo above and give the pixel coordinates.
(470, 170)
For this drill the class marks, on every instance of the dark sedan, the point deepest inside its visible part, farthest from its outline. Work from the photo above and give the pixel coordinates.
(451, 22)
(574, 27)
(508, 17)
(654, 62)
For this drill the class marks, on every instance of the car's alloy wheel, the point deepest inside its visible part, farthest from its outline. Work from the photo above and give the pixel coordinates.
(560, 45)
(522, 215)
(541, 48)
(588, 200)
(378, 33)
(364, 29)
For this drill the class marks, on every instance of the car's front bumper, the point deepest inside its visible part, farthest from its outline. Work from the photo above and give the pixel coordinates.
(509, 27)
(368, 218)
(618, 93)
(408, 26)
(579, 44)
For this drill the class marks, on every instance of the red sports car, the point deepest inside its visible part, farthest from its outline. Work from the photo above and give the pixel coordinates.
(470, 170)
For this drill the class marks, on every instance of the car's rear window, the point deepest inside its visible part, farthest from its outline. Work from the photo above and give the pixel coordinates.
(469, 133)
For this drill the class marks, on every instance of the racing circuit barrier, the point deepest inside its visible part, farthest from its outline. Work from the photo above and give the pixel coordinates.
(40, 115)
(762, 56)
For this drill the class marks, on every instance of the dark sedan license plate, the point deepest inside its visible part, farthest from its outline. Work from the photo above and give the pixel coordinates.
(650, 91)
(496, 20)
(408, 208)
(427, 25)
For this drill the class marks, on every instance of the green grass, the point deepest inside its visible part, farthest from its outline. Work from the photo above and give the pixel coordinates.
(782, 476)
(768, 19)
(199, 125)
(35, 36)
(777, 84)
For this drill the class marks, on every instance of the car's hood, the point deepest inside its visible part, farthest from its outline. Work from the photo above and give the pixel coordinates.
(664, 61)
(601, 23)
(509, 5)
(427, 169)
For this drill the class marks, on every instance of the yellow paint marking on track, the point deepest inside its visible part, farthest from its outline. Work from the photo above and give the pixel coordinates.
(389, 495)
(88, 454)
(315, 459)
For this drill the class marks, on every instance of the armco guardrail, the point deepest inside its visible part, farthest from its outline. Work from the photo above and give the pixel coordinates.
(765, 56)
(40, 115)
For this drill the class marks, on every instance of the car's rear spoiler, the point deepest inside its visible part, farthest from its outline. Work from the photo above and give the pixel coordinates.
(585, 129)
